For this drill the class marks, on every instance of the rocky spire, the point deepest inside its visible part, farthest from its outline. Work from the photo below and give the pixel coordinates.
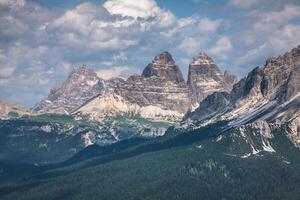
(81, 85)
(202, 59)
(205, 78)
(164, 66)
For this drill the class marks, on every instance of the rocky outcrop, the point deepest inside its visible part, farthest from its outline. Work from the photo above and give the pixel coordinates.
(270, 93)
(215, 103)
(160, 92)
(161, 84)
(205, 78)
(82, 85)
(164, 66)
(160, 87)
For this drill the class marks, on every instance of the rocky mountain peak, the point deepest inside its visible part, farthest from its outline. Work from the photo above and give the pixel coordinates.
(278, 79)
(270, 92)
(163, 66)
(163, 58)
(202, 59)
(205, 78)
(81, 85)
(82, 73)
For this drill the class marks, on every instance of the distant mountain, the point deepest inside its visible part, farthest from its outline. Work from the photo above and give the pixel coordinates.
(205, 78)
(81, 85)
(8, 110)
(160, 93)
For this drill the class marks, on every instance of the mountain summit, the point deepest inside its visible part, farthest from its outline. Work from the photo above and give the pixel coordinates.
(81, 85)
(164, 66)
(205, 78)
(159, 92)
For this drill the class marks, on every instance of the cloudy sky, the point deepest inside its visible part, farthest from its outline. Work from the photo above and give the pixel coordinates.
(41, 41)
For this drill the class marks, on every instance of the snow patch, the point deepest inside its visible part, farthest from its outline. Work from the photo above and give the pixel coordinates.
(219, 138)
(246, 155)
(46, 128)
(267, 146)
(87, 137)
(254, 151)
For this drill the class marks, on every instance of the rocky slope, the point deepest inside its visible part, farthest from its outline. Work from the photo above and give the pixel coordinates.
(160, 93)
(52, 138)
(81, 85)
(269, 97)
(205, 78)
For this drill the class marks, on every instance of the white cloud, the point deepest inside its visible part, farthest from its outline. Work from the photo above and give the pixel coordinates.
(140, 9)
(222, 46)
(190, 45)
(209, 26)
(243, 3)
(6, 71)
(133, 8)
(13, 3)
(285, 38)
(2, 57)
(281, 16)
(121, 56)
(251, 55)
(112, 72)
(41, 45)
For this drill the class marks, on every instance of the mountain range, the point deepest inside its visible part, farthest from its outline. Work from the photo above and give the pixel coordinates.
(107, 111)
(212, 136)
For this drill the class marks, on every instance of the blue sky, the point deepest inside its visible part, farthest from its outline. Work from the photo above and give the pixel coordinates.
(41, 41)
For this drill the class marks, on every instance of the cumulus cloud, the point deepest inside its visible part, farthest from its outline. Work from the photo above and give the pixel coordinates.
(112, 72)
(12, 3)
(40, 46)
(270, 33)
(222, 46)
(140, 9)
(134, 8)
(190, 45)
(209, 26)
(6, 71)
(243, 3)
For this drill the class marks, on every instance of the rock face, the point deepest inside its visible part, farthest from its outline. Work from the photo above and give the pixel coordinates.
(270, 93)
(205, 78)
(82, 85)
(214, 103)
(161, 84)
(164, 66)
(277, 80)
(159, 93)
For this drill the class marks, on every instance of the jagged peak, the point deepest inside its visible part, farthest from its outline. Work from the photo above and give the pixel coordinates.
(202, 59)
(163, 66)
(83, 69)
(163, 58)
(83, 72)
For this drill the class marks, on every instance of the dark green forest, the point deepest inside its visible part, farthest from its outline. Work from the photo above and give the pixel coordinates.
(192, 165)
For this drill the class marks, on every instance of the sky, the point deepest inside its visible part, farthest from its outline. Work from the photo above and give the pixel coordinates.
(42, 41)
